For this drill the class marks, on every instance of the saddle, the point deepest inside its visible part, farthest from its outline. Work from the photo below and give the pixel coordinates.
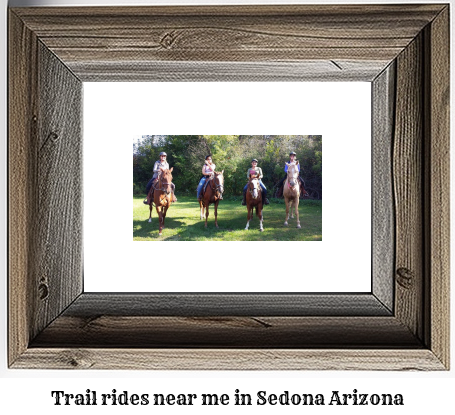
(205, 185)
(152, 189)
(149, 199)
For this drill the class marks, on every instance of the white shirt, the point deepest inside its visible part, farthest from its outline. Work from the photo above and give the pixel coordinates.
(209, 168)
(157, 167)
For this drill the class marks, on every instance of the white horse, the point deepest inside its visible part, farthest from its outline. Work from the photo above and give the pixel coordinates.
(254, 200)
(291, 192)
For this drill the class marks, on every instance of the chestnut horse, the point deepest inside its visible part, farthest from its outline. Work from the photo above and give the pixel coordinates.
(162, 196)
(213, 192)
(254, 200)
(291, 191)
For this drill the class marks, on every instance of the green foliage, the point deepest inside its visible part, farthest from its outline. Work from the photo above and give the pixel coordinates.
(231, 153)
(136, 190)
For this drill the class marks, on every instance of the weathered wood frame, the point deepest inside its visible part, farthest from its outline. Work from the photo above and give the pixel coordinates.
(403, 50)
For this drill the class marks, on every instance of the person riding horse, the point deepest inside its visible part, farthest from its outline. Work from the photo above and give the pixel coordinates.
(159, 166)
(207, 172)
(257, 171)
(279, 193)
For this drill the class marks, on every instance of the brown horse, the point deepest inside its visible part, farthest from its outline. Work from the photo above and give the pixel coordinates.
(254, 200)
(213, 193)
(291, 192)
(162, 196)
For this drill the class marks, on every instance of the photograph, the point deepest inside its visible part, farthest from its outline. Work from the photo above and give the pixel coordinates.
(186, 108)
(227, 188)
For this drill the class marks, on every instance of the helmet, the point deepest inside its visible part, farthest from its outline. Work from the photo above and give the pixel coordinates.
(163, 153)
(292, 153)
(254, 160)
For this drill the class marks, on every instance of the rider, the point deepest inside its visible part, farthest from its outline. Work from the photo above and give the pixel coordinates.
(159, 166)
(257, 171)
(207, 171)
(292, 156)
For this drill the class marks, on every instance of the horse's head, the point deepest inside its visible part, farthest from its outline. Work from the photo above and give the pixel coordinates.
(218, 179)
(293, 173)
(253, 186)
(166, 180)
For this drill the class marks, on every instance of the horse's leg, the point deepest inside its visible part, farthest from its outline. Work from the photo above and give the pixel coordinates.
(151, 210)
(161, 222)
(290, 208)
(287, 211)
(165, 208)
(261, 218)
(297, 213)
(160, 219)
(216, 213)
(248, 217)
(206, 213)
(162, 216)
(201, 209)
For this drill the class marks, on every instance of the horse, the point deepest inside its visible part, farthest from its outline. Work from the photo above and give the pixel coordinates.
(212, 194)
(291, 192)
(254, 200)
(162, 196)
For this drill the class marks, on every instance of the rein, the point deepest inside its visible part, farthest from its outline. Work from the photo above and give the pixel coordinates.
(296, 181)
(161, 188)
(251, 189)
(217, 187)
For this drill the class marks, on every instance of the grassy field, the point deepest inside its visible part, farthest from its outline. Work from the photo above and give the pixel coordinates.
(183, 222)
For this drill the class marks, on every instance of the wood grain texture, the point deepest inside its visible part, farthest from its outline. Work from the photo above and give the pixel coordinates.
(234, 359)
(408, 188)
(227, 34)
(308, 71)
(53, 49)
(383, 215)
(22, 96)
(89, 305)
(58, 185)
(45, 185)
(438, 192)
(256, 332)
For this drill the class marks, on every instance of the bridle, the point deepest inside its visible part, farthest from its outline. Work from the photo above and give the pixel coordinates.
(294, 175)
(252, 189)
(218, 187)
(163, 186)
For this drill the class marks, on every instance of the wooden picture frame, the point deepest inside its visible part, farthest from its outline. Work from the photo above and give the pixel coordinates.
(403, 324)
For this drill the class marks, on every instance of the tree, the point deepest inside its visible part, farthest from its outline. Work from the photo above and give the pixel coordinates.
(231, 153)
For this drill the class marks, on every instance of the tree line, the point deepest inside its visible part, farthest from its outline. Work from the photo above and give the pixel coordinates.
(231, 153)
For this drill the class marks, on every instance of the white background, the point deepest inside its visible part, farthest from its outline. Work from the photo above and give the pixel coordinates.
(29, 391)
(116, 112)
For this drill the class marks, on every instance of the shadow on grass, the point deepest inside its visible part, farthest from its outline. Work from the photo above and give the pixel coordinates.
(145, 229)
(233, 229)
(232, 219)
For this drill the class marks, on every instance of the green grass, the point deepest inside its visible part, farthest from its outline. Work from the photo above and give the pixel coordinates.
(183, 222)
